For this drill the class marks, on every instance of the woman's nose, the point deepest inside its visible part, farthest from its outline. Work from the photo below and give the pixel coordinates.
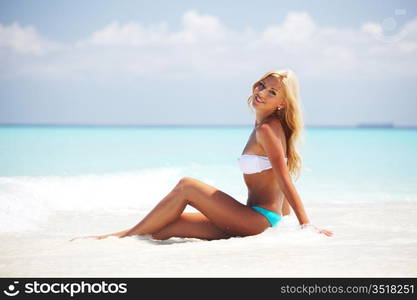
(261, 93)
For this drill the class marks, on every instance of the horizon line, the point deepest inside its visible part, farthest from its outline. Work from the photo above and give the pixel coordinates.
(359, 125)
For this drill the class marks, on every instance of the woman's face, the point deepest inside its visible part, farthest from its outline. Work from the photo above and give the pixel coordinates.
(268, 95)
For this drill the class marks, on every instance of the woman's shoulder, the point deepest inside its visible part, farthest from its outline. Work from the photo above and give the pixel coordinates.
(272, 124)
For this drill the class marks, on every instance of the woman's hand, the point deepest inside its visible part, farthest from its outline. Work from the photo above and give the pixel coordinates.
(323, 231)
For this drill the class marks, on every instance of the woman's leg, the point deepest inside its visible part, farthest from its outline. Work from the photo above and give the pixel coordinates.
(191, 225)
(223, 211)
(166, 211)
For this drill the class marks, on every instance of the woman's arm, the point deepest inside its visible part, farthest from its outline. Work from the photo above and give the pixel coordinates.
(286, 209)
(275, 152)
(273, 148)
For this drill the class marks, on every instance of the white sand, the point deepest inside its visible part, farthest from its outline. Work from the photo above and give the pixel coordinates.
(370, 241)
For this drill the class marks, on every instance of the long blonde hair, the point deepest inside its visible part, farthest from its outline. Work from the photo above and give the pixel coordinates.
(291, 117)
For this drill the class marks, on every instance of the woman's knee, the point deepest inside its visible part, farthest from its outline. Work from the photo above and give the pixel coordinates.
(185, 182)
(183, 185)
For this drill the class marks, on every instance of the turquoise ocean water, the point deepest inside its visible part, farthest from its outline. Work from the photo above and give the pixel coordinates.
(45, 168)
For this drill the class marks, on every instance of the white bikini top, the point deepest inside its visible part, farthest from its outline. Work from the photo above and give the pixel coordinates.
(253, 163)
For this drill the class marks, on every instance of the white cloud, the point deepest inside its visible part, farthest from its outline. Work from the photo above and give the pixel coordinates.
(24, 40)
(130, 34)
(196, 29)
(372, 28)
(296, 28)
(200, 28)
(206, 47)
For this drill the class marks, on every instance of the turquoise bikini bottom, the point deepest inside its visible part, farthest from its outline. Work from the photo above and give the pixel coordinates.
(272, 217)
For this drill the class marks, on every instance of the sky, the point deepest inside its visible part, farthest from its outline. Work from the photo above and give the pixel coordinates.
(194, 62)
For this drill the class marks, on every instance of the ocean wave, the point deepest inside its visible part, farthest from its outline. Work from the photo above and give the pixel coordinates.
(27, 201)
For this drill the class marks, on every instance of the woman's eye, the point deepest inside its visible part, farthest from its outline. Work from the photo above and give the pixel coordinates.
(273, 93)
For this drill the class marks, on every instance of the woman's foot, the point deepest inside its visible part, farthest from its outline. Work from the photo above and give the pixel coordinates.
(100, 237)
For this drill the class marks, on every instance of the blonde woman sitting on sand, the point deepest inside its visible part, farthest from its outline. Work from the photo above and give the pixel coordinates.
(267, 161)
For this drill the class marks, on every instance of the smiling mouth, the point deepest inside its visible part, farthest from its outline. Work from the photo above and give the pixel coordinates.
(258, 100)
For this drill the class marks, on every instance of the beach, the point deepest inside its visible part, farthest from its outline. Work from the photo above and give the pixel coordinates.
(365, 244)
(76, 182)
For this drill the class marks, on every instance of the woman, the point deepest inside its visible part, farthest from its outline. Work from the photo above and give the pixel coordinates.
(267, 161)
